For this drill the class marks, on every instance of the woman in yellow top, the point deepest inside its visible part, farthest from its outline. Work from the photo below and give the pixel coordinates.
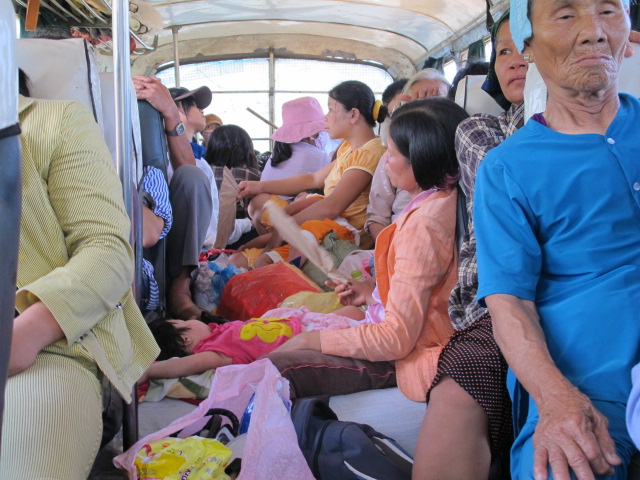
(353, 112)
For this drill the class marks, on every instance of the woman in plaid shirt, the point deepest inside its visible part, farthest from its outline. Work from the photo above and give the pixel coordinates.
(469, 408)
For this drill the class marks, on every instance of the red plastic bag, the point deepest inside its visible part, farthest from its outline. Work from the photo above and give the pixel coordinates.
(250, 294)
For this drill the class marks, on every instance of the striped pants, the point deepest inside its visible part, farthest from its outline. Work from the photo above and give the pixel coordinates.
(52, 420)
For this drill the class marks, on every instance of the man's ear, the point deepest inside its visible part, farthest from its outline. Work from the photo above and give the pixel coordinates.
(628, 50)
(634, 37)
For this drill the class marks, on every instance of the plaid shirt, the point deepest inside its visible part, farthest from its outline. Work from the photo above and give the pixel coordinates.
(240, 174)
(474, 138)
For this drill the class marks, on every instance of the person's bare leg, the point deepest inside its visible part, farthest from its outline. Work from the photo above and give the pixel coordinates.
(262, 260)
(453, 442)
(239, 260)
(254, 209)
(351, 312)
(179, 301)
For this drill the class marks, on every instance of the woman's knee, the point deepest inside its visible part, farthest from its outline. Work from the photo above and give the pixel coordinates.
(53, 420)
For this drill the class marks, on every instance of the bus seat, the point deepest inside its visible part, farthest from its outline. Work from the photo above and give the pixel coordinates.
(535, 91)
(155, 153)
(62, 70)
(11, 189)
(473, 99)
(107, 90)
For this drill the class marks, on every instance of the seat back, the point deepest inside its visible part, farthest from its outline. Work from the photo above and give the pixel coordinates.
(10, 191)
(155, 153)
(473, 99)
(62, 70)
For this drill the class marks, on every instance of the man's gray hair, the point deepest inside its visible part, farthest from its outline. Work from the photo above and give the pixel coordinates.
(425, 74)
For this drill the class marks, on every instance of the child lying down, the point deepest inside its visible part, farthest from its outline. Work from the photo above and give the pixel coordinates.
(189, 347)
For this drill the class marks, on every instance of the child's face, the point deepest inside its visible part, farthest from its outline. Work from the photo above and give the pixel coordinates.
(195, 333)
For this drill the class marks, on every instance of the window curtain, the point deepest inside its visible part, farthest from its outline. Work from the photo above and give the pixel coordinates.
(437, 63)
(476, 51)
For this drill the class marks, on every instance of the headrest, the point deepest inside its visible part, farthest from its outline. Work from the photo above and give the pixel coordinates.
(535, 91)
(108, 91)
(61, 70)
(473, 99)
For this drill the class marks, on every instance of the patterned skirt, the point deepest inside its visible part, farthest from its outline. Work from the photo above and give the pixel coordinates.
(473, 359)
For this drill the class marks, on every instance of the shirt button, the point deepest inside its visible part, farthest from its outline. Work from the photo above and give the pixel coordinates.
(636, 186)
(610, 141)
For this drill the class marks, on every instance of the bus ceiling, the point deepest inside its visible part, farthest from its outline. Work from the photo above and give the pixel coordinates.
(397, 35)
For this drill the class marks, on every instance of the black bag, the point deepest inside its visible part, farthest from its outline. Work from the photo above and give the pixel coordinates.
(338, 450)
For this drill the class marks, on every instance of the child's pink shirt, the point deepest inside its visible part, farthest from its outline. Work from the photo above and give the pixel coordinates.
(246, 341)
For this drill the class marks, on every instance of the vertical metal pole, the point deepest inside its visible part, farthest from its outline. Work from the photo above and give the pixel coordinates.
(122, 79)
(124, 154)
(272, 94)
(10, 189)
(176, 56)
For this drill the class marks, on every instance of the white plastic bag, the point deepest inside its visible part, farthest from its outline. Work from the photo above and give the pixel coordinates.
(271, 449)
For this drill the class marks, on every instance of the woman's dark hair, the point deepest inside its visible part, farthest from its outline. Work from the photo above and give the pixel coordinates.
(476, 67)
(169, 338)
(23, 84)
(424, 132)
(281, 153)
(355, 94)
(231, 146)
(392, 90)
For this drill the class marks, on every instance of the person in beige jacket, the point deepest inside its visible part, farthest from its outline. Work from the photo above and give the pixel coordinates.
(77, 320)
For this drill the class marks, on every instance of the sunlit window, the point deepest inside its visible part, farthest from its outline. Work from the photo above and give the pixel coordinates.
(450, 69)
(241, 84)
(487, 48)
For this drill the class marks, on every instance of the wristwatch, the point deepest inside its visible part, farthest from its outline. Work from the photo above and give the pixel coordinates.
(176, 132)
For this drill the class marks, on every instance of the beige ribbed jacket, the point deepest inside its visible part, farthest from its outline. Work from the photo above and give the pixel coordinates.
(74, 252)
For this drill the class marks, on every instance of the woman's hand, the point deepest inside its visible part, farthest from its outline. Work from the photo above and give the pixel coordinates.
(249, 189)
(353, 293)
(302, 341)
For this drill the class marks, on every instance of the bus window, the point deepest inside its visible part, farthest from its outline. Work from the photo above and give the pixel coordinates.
(238, 84)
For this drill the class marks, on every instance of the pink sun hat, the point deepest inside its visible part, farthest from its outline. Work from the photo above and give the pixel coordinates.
(301, 118)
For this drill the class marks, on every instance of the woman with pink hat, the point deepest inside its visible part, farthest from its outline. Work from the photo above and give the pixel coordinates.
(353, 112)
(298, 142)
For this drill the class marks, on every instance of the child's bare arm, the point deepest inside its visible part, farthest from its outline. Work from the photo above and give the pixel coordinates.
(185, 366)
(299, 205)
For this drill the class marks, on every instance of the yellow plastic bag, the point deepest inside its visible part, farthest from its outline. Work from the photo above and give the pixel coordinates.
(191, 458)
(326, 302)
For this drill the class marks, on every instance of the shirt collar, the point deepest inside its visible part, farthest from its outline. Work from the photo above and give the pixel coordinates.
(24, 103)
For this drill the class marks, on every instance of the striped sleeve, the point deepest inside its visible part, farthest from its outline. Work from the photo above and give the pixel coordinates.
(154, 184)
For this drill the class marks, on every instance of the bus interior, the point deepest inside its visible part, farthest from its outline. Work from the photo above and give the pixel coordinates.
(254, 55)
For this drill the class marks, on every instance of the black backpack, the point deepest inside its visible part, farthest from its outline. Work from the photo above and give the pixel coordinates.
(338, 450)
